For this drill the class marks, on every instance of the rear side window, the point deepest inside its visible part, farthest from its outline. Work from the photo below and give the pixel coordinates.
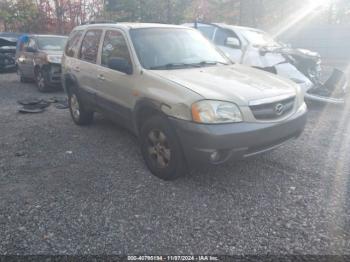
(114, 45)
(73, 42)
(89, 46)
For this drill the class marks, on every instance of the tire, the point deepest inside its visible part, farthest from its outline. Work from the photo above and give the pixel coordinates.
(80, 114)
(41, 79)
(22, 79)
(161, 149)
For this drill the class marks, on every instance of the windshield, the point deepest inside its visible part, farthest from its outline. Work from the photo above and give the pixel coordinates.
(51, 43)
(168, 48)
(259, 38)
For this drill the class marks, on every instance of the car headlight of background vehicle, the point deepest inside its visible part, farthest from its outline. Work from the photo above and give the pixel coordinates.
(54, 59)
(215, 112)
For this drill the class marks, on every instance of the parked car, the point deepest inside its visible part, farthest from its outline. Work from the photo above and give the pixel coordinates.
(185, 101)
(39, 59)
(8, 43)
(256, 48)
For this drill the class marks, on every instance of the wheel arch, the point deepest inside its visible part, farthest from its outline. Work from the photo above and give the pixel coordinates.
(69, 82)
(144, 109)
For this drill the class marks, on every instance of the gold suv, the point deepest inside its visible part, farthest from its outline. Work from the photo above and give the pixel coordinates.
(182, 97)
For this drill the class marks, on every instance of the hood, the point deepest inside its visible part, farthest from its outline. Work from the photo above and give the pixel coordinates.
(297, 53)
(236, 83)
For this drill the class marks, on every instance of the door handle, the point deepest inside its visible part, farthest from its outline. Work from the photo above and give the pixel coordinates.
(76, 69)
(101, 77)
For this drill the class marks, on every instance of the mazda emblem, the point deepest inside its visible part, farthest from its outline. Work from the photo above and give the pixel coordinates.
(279, 109)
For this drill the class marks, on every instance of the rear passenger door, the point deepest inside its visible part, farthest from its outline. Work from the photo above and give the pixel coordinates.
(70, 62)
(85, 70)
(114, 92)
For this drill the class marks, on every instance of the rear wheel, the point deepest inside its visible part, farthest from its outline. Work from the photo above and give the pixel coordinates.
(80, 114)
(161, 150)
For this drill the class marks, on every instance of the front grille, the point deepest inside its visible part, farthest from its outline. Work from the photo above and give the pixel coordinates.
(273, 110)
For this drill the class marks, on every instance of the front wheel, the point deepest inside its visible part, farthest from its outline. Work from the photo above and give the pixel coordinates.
(80, 114)
(41, 80)
(22, 79)
(161, 149)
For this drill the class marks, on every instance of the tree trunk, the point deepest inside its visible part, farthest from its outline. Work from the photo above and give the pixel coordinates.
(59, 16)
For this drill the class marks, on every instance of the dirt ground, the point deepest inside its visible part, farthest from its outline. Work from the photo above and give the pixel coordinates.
(66, 189)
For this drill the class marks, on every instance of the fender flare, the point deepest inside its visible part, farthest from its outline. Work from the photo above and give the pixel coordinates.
(71, 79)
(142, 106)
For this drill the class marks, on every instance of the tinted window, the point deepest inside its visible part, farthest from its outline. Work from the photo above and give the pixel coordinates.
(222, 35)
(73, 42)
(114, 45)
(89, 46)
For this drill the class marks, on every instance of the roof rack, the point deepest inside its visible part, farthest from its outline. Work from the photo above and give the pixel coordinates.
(98, 22)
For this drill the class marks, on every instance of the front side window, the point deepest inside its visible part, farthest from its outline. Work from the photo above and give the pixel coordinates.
(207, 31)
(72, 46)
(89, 46)
(170, 48)
(222, 35)
(31, 44)
(259, 38)
(114, 46)
(48, 43)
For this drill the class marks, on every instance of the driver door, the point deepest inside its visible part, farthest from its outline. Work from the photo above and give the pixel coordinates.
(115, 89)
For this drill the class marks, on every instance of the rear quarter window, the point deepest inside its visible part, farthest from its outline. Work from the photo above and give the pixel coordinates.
(72, 46)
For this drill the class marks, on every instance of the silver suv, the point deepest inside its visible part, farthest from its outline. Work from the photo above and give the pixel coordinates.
(184, 99)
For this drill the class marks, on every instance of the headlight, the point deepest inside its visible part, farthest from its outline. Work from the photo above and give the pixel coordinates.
(216, 112)
(54, 59)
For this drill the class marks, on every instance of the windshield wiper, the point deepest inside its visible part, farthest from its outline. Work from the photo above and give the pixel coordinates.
(174, 65)
(204, 63)
(183, 65)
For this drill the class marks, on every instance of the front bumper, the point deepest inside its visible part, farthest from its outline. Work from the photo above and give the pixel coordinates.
(216, 144)
(54, 73)
(336, 88)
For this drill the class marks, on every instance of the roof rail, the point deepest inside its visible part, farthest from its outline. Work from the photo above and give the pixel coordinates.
(98, 22)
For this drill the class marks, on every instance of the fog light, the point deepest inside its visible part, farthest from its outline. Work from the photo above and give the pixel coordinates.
(215, 156)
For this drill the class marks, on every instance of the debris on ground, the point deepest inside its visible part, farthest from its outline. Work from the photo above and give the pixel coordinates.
(20, 153)
(36, 105)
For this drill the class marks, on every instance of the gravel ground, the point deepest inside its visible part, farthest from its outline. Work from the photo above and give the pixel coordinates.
(66, 189)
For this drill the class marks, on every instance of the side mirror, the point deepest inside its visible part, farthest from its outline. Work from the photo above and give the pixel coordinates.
(233, 42)
(31, 50)
(120, 64)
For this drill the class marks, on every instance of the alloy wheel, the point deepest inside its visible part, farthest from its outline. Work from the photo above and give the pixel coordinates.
(74, 105)
(158, 148)
(40, 81)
